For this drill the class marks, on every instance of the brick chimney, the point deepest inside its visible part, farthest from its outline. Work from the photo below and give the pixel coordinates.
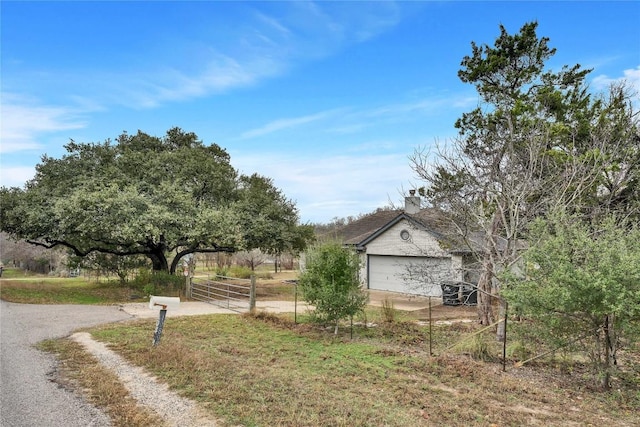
(412, 203)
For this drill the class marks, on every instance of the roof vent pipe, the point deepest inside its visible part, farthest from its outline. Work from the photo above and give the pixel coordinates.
(412, 203)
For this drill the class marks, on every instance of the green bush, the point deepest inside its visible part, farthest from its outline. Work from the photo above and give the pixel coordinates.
(330, 283)
(157, 282)
(240, 272)
(222, 271)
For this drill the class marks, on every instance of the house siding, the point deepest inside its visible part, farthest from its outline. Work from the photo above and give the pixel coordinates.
(420, 243)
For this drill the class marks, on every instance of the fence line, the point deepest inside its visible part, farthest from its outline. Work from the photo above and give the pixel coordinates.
(230, 293)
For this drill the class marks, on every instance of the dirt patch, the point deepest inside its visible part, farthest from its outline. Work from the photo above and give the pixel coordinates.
(419, 306)
(447, 312)
(172, 408)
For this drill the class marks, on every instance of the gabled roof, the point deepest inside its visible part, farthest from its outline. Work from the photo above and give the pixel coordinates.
(363, 230)
(416, 220)
(367, 228)
(358, 230)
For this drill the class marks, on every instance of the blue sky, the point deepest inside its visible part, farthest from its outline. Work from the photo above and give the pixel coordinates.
(327, 98)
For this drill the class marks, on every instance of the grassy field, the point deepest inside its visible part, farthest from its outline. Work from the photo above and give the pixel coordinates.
(264, 370)
(64, 291)
(16, 287)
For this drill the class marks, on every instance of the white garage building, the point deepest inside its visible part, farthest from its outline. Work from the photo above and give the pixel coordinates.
(403, 251)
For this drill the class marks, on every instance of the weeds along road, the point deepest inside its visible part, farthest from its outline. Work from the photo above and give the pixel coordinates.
(28, 396)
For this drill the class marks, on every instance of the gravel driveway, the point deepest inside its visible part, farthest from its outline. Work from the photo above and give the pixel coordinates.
(28, 397)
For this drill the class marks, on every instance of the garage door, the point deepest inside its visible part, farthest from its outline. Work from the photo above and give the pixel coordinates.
(411, 275)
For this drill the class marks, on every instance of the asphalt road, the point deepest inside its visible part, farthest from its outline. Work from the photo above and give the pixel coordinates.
(28, 396)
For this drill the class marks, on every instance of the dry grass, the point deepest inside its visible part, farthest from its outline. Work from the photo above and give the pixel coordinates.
(79, 370)
(267, 371)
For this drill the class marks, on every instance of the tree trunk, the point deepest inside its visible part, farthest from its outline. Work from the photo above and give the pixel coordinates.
(485, 311)
(159, 261)
(485, 283)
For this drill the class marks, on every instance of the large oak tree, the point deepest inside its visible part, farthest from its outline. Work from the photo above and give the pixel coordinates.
(161, 197)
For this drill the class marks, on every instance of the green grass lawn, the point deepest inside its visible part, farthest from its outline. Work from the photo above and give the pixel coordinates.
(40, 289)
(16, 273)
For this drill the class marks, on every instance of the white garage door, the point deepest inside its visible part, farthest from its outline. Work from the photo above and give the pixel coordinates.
(411, 275)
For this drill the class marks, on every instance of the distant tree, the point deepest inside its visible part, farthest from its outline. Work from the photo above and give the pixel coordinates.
(19, 253)
(107, 264)
(144, 195)
(581, 287)
(251, 259)
(330, 282)
(223, 260)
(269, 222)
(287, 261)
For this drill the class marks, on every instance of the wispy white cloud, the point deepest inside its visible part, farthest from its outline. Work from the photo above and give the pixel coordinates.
(348, 120)
(267, 42)
(272, 23)
(258, 48)
(25, 120)
(217, 74)
(422, 106)
(630, 76)
(288, 123)
(348, 22)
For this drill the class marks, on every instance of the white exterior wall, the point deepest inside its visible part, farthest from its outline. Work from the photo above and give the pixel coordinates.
(420, 243)
(392, 257)
(457, 268)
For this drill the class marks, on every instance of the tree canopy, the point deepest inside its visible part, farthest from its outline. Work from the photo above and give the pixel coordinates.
(153, 196)
(538, 140)
(581, 286)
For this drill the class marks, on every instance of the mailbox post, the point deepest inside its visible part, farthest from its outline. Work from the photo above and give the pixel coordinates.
(162, 304)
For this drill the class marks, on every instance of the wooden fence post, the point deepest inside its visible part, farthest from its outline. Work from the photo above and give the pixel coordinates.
(188, 286)
(252, 293)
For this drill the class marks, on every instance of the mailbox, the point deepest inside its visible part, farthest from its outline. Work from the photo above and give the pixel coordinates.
(164, 303)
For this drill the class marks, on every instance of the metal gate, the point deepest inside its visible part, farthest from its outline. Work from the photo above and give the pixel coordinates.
(227, 292)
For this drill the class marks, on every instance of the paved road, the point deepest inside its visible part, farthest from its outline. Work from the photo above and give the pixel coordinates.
(28, 397)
